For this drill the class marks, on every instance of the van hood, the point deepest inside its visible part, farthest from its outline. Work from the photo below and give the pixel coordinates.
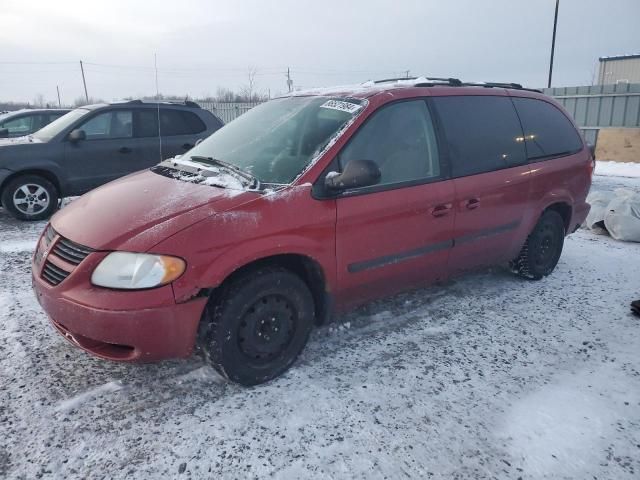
(138, 211)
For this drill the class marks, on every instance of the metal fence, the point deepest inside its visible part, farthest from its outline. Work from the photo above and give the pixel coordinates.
(228, 111)
(600, 106)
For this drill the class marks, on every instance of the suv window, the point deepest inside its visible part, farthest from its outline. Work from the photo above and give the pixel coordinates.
(146, 123)
(179, 122)
(401, 139)
(109, 125)
(18, 126)
(547, 131)
(483, 133)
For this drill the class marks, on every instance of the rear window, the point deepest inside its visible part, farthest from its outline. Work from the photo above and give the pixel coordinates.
(547, 131)
(483, 133)
(179, 122)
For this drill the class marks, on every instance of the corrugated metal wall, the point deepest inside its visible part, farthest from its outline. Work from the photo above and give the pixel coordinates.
(619, 70)
(600, 106)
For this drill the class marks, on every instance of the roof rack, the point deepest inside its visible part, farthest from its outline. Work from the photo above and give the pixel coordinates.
(186, 103)
(455, 82)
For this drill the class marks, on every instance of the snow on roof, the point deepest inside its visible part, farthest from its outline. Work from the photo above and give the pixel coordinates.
(620, 57)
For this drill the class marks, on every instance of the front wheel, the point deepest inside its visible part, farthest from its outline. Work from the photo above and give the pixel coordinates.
(258, 325)
(30, 197)
(541, 252)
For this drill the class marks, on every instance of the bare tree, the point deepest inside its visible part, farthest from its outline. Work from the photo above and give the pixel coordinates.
(248, 90)
(38, 101)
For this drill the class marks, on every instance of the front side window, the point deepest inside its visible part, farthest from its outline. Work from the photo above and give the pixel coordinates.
(18, 126)
(483, 133)
(547, 131)
(109, 125)
(400, 139)
(277, 140)
(61, 124)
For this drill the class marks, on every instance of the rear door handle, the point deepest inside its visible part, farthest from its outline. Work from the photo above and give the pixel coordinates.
(472, 203)
(187, 146)
(441, 210)
(124, 150)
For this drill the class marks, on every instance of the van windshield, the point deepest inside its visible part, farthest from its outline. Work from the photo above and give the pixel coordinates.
(54, 128)
(277, 140)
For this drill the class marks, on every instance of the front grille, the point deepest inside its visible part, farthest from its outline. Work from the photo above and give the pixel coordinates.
(63, 249)
(49, 233)
(70, 251)
(52, 274)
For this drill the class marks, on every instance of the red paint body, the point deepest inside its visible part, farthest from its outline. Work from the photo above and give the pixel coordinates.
(216, 233)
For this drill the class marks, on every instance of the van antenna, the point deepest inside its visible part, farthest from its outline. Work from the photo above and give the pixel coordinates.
(155, 64)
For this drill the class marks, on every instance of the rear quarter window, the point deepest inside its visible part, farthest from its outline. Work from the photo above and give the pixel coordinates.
(547, 131)
(483, 133)
(179, 122)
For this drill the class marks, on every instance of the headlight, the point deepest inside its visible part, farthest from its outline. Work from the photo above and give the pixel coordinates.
(137, 270)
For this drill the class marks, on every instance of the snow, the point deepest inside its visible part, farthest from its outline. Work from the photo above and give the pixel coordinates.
(486, 376)
(87, 396)
(18, 246)
(617, 169)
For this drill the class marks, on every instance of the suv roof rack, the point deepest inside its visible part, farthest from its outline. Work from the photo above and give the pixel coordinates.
(186, 103)
(455, 82)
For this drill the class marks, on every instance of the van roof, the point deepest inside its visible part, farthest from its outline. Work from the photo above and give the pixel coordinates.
(372, 87)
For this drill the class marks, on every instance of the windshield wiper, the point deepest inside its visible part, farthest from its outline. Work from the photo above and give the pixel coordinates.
(214, 162)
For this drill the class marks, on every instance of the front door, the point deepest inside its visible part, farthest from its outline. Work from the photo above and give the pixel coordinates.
(108, 152)
(396, 234)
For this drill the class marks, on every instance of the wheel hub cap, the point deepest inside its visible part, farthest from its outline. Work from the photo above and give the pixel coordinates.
(31, 199)
(267, 328)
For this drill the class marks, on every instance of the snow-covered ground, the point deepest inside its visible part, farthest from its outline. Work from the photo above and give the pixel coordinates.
(489, 376)
(617, 169)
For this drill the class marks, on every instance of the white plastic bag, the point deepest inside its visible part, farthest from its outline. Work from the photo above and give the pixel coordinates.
(622, 216)
(599, 202)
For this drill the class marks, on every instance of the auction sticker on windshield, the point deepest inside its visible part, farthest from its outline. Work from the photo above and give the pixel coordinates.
(341, 105)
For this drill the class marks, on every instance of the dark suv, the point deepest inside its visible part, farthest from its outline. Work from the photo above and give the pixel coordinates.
(91, 146)
(25, 122)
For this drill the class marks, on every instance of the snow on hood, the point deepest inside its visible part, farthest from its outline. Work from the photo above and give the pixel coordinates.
(138, 211)
(19, 140)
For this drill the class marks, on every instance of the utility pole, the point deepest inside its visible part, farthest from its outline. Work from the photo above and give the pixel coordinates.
(553, 43)
(86, 95)
(406, 74)
(59, 102)
(289, 81)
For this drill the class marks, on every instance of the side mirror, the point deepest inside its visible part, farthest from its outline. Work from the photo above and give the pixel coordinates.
(4, 132)
(77, 135)
(357, 173)
(592, 149)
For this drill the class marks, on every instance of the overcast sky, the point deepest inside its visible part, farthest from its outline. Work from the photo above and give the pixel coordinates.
(205, 44)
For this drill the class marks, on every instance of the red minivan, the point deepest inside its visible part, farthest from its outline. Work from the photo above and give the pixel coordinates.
(310, 204)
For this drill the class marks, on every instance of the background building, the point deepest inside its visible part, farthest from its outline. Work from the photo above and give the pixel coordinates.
(619, 69)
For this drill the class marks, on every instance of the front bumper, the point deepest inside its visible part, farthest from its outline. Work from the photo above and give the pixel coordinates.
(131, 326)
(580, 213)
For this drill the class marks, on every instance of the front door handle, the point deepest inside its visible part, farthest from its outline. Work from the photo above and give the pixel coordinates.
(187, 146)
(124, 150)
(472, 203)
(441, 210)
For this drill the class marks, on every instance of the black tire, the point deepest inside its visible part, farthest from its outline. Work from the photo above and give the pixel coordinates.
(258, 325)
(30, 197)
(541, 252)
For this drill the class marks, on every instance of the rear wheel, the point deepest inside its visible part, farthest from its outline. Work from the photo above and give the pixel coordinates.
(30, 197)
(258, 325)
(541, 252)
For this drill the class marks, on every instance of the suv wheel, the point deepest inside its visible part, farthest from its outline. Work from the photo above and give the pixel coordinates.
(30, 197)
(258, 326)
(541, 252)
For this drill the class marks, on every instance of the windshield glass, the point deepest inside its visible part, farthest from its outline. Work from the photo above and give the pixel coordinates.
(54, 128)
(276, 141)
